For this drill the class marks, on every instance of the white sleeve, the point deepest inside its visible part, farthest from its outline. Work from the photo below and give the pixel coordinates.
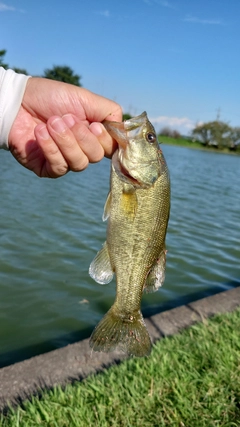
(12, 88)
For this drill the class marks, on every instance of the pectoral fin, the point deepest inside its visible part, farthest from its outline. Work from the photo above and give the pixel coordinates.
(156, 275)
(106, 211)
(100, 268)
(129, 202)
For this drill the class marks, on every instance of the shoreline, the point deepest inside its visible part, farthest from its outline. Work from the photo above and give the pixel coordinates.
(77, 361)
(201, 148)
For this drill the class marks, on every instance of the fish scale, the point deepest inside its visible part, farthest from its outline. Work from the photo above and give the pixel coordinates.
(142, 237)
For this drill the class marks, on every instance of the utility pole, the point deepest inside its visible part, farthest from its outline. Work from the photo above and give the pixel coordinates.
(218, 114)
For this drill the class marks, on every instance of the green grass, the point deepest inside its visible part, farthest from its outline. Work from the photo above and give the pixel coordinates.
(191, 379)
(181, 142)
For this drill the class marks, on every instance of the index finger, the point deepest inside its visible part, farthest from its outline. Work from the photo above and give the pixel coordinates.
(98, 108)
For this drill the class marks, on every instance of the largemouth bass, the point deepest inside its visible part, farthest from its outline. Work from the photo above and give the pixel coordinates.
(137, 209)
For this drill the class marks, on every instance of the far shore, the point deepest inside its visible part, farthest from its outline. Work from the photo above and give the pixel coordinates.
(188, 143)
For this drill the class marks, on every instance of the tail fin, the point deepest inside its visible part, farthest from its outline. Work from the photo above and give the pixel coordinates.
(127, 333)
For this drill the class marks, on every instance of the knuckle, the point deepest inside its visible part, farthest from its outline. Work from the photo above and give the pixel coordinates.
(97, 156)
(67, 141)
(81, 132)
(59, 171)
(83, 164)
(52, 150)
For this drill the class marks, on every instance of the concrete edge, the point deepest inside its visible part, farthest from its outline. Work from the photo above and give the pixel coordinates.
(76, 361)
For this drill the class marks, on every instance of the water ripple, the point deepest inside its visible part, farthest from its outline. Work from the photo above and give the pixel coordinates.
(50, 231)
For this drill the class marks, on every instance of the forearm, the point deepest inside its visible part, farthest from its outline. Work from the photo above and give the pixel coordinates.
(12, 88)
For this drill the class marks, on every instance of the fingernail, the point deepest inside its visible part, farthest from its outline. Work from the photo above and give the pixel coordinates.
(69, 120)
(58, 125)
(43, 132)
(96, 128)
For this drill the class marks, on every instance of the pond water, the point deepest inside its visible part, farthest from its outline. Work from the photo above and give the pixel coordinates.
(50, 230)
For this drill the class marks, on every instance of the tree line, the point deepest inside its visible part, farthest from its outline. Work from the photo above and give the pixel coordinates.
(215, 134)
(218, 134)
(62, 73)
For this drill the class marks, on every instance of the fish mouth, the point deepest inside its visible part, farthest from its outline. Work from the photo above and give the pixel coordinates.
(134, 181)
(129, 173)
(129, 177)
(126, 176)
(123, 173)
(117, 132)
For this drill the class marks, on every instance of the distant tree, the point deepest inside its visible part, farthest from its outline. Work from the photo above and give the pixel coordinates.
(176, 134)
(62, 74)
(216, 133)
(127, 116)
(2, 54)
(166, 131)
(235, 137)
(202, 133)
(6, 66)
(20, 70)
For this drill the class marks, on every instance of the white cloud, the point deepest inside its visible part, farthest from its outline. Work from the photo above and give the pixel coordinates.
(166, 3)
(4, 7)
(194, 19)
(163, 3)
(104, 13)
(184, 125)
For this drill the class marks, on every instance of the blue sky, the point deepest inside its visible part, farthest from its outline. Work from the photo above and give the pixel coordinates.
(179, 59)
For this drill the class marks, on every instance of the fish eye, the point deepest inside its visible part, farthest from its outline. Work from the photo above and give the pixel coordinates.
(151, 137)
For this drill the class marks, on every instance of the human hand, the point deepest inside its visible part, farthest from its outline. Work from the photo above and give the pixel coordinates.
(58, 128)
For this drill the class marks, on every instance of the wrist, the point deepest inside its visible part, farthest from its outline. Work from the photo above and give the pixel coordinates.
(12, 88)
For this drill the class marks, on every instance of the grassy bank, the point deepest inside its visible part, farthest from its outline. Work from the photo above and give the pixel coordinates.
(191, 379)
(183, 142)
